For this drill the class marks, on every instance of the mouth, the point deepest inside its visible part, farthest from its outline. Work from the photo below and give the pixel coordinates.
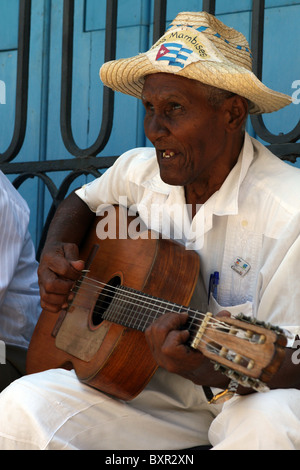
(168, 153)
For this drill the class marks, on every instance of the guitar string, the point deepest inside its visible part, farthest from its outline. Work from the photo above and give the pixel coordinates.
(147, 299)
(215, 322)
(135, 294)
(152, 302)
(156, 300)
(208, 341)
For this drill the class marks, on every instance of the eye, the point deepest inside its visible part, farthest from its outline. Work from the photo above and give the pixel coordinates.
(173, 107)
(147, 105)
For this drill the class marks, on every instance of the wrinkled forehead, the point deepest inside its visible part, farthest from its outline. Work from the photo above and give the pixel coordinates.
(160, 84)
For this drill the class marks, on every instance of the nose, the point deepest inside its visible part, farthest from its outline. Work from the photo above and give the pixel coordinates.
(155, 127)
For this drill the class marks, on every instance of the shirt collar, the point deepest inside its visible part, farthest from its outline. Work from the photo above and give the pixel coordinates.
(156, 184)
(225, 200)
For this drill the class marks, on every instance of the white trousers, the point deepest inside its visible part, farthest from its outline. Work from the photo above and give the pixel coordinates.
(54, 411)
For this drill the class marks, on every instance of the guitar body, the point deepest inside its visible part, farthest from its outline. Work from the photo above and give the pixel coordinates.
(106, 355)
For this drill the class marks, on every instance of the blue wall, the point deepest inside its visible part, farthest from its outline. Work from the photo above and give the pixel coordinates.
(43, 139)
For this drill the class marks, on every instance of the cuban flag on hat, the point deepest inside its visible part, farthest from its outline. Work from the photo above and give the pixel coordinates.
(176, 54)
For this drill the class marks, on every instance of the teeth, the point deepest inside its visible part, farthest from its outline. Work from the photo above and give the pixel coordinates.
(168, 154)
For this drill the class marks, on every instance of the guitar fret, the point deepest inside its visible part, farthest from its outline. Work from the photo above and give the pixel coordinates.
(117, 309)
(124, 316)
(113, 311)
(141, 311)
(137, 310)
(140, 321)
(138, 313)
(153, 313)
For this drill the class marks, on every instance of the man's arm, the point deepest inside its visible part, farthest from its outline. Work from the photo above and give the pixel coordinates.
(60, 265)
(167, 340)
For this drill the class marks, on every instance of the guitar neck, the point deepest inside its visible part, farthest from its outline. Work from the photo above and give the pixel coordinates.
(137, 310)
(244, 347)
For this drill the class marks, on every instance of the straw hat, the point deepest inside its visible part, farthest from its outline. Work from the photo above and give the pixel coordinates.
(197, 46)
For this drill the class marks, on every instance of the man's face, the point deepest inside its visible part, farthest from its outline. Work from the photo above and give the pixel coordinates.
(187, 132)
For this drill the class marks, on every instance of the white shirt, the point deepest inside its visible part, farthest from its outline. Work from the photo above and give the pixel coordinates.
(19, 291)
(254, 217)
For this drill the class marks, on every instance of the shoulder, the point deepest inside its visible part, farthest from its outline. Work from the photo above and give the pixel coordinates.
(139, 163)
(10, 198)
(275, 178)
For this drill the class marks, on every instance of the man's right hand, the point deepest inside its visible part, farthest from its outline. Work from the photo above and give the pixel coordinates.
(60, 265)
(58, 271)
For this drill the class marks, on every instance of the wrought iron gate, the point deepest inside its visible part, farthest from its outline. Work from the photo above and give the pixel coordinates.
(85, 160)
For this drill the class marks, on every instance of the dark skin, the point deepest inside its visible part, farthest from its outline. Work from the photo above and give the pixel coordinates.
(206, 142)
(203, 144)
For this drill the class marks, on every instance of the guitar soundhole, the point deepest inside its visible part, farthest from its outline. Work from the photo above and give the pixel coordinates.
(104, 300)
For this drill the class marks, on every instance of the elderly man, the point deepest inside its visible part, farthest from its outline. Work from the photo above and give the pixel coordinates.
(197, 87)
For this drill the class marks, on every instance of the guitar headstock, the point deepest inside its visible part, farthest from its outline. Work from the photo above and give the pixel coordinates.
(244, 349)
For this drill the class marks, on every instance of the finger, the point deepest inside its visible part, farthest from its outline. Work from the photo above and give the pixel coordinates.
(71, 253)
(52, 284)
(78, 265)
(223, 313)
(54, 291)
(63, 261)
(171, 321)
(175, 343)
(157, 333)
(53, 307)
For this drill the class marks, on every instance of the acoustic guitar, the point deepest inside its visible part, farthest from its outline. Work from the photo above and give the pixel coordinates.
(128, 283)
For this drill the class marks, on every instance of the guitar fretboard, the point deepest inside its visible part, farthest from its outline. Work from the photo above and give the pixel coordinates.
(138, 310)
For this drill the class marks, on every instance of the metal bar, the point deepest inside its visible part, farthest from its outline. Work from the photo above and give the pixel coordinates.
(67, 78)
(281, 139)
(59, 196)
(159, 19)
(86, 162)
(209, 6)
(257, 35)
(258, 124)
(44, 116)
(22, 83)
(58, 165)
(289, 151)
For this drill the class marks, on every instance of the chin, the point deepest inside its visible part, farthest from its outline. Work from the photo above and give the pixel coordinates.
(172, 180)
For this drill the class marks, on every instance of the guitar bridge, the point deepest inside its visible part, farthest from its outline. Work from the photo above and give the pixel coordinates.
(196, 341)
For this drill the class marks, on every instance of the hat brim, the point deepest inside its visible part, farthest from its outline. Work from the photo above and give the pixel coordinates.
(127, 76)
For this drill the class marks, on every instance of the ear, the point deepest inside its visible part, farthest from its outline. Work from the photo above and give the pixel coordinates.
(236, 112)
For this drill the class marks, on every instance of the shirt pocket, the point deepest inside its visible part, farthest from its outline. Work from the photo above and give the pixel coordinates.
(245, 308)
